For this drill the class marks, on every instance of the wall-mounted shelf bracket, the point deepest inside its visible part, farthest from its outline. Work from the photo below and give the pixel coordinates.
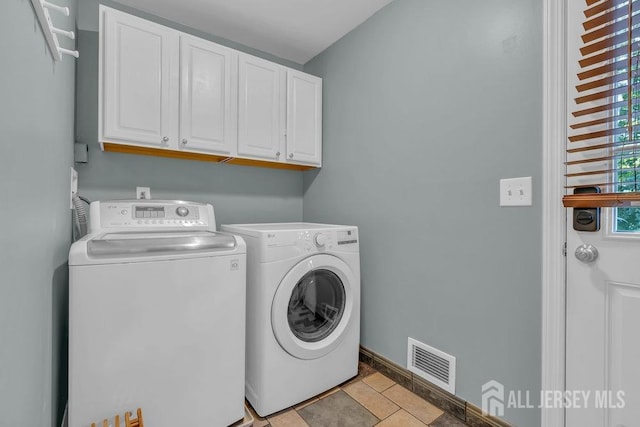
(42, 8)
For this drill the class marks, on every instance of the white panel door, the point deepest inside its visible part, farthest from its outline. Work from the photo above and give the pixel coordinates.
(304, 118)
(139, 81)
(261, 107)
(208, 118)
(603, 300)
(603, 316)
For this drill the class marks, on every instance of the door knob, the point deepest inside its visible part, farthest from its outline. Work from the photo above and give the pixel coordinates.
(184, 142)
(165, 139)
(587, 253)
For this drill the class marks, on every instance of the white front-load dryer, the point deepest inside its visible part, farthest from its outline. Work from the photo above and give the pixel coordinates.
(303, 310)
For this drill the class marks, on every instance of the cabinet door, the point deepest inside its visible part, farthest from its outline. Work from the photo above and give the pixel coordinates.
(208, 117)
(261, 108)
(139, 81)
(304, 118)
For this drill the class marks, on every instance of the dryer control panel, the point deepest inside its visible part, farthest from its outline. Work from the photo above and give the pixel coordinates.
(156, 214)
(329, 239)
(347, 237)
(285, 244)
(279, 241)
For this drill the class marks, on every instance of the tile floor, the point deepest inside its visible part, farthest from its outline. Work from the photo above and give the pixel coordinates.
(370, 399)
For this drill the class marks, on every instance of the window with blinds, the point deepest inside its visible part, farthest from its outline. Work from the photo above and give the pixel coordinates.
(604, 136)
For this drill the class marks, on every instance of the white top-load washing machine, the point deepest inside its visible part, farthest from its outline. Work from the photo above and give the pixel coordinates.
(156, 316)
(303, 310)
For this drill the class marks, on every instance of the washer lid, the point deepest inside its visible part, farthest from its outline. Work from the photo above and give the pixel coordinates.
(157, 243)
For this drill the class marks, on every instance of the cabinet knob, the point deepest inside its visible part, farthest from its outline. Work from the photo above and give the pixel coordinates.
(184, 142)
(278, 154)
(165, 139)
(291, 156)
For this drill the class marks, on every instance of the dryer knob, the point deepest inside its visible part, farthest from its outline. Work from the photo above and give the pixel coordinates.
(320, 239)
(182, 211)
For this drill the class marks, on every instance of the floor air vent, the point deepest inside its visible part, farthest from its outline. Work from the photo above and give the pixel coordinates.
(432, 364)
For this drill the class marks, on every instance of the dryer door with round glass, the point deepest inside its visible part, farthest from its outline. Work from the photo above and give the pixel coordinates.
(313, 305)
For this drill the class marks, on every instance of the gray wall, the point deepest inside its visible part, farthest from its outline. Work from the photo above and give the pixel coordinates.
(36, 119)
(426, 106)
(239, 194)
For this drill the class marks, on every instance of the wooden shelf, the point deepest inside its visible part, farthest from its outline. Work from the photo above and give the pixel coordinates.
(601, 200)
(159, 152)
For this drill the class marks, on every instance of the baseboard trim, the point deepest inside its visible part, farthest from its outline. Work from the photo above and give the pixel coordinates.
(450, 403)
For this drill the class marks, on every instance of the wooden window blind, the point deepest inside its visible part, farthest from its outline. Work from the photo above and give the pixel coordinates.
(604, 136)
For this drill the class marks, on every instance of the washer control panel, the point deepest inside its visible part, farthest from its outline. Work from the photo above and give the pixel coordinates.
(180, 212)
(136, 214)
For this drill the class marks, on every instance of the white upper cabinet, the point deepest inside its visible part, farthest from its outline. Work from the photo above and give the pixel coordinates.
(166, 89)
(207, 96)
(161, 88)
(139, 81)
(261, 108)
(304, 118)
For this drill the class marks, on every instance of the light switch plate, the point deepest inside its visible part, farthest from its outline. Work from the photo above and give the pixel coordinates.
(516, 191)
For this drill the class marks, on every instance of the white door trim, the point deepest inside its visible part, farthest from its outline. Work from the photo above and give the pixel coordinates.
(553, 213)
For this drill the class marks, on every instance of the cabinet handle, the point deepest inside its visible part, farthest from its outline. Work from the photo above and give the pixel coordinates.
(165, 139)
(291, 156)
(278, 154)
(184, 142)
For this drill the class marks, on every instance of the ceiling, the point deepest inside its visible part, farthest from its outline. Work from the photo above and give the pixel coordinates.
(296, 30)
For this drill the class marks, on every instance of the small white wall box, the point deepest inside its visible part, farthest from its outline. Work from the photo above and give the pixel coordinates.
(81, 153)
